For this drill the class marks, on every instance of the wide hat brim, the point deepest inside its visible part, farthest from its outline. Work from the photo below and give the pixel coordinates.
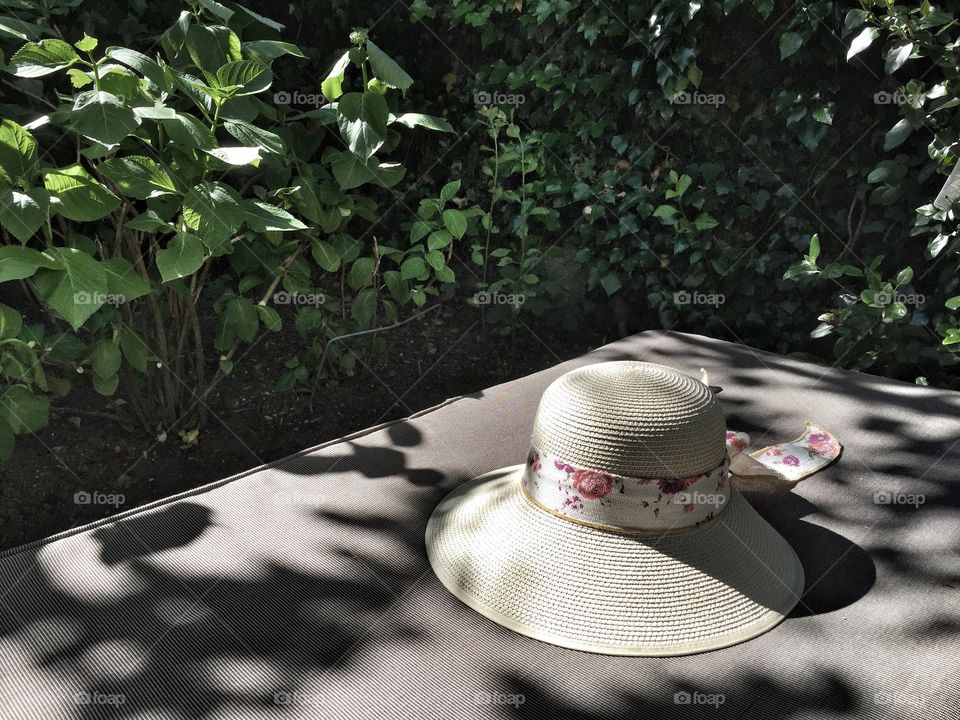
(579, 587)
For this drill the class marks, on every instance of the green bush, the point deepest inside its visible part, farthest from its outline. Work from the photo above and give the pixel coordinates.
(158, 191)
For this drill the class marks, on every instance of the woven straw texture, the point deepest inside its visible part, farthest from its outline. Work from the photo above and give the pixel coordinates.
(587, 589)
(632, 418)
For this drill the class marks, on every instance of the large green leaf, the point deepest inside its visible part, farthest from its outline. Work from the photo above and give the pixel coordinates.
(123, 281)
(862, 41)
(104, 358)
(138, 176)
(350, 171)
(150, 69)
(103, 117)
(188, 132)
(17, 263)
(18, 153)
(262, 217)
(455, 221)
(212, 46)
(250, 135)
(213, 210)
(266, 51)
(332, 85)
(325, 254)
(80, 197)
(430, 122)
(22, 214)
(42, 58)
(242, 316)
(134, 349)
(361, 273)
(362, 307)
(10, 322)
(386, 69)
(244, 77)
(363, 121)
(23, 411)
(183, 256)
(77, 290)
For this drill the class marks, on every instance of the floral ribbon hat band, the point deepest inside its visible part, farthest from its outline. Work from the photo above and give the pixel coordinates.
(625, 510)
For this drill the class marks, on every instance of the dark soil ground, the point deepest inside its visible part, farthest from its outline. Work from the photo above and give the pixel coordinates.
(441, 355)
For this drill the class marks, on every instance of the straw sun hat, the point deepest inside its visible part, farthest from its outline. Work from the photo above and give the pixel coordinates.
(622, 534)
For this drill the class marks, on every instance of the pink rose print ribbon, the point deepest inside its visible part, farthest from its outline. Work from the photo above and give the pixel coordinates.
(657, 505)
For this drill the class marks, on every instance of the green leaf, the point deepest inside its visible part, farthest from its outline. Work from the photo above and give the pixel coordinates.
(266, 51)
(137, 176)
(705, 221)
(455, 221)
(217, 10)
(386, 69)
(905, 276)
(814, 252)
(332, 85)
(611, 282)
(10, 322)
(150, 69)
(103, 117)
(85, 44)
(236, 155)
(42, 58)
(77, 290)
(419, 230)
(448, 191)
(17, 263)
(953, 303)
(242, 316)
(105, 386)
(790, 42)
(22, 214)
(894, 312)
(20, 29)
(397, 286)
(821, 330)
(665, 212)
(363, 121)
(134, 349)
(212, 46)
(183, 256)
(896, 56)
(862, 41)
(361, 273)
(123, 282)
(22, 411)
(244, 77)
(430, 122)
(104, 358)
(897, 134)
(18, 153)
(325, 255)
(270, 318)
(362, 307)
(149, 222)
(350, 171)
(414, 268)
(213, 211)
(251, 135)
(79, 196)
(188, 132)
(262, 217)
(824, 115)
(439, 240)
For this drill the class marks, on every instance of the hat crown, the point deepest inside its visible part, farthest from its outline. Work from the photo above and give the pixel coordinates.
(632, 418)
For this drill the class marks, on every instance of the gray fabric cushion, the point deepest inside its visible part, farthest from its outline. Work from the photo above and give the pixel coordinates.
(301, 589)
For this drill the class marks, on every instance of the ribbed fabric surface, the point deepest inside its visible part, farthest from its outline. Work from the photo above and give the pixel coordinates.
(632, 418)
(227, 603)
